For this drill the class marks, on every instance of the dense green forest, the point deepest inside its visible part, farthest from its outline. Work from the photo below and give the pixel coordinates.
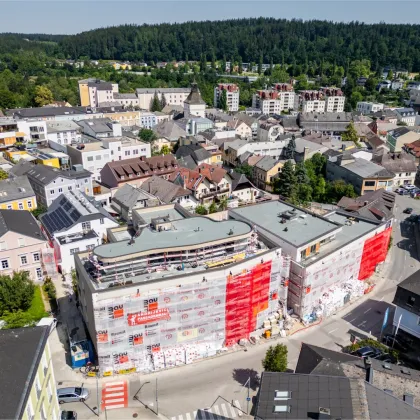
(280, 40)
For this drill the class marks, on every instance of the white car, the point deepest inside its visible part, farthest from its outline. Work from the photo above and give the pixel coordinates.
(409, 187)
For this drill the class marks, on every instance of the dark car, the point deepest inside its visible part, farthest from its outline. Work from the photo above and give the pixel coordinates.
(408, 210)
(405, 192)
(367, 351)
(387, 358)
(68, 415)
(399, 343)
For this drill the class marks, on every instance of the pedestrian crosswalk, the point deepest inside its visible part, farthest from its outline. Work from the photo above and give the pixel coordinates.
(222, 411)
(114, 395)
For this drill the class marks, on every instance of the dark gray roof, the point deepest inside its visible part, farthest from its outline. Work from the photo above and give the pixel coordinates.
(314, 359)
(239, 180)
(20, 354)
(166, 191)
(169, 130)
(366, 169)
(197, 152)
(15, 188)
(101, 85)
(127, 196)
(396, 162)
(187, 162)
(43, 112)
(21, 222)
(46, 174)
(98, 125)
(125, 96)
(194, 98)
(412, 283)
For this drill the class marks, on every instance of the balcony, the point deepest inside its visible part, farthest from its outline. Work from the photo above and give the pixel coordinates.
(214, 193)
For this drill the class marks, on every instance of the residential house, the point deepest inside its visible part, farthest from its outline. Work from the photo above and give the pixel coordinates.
(94, 155)
(168, 192)
(402, 164)
(173, 96)
(128, 198)
(265, 171)
(386, 115)
(148, 119)
(93, 91)
(312, 101)
(21, 244)
(406, 115)
(193, 155)
(167, 133)
(27, 382)
(16, 193)
(75, 222)
(413, 149)
(194, 124)
(242, 130)
(47, 113)
(194, 104)
(401, 136)
(269, 131)
(136, 171)
(232, 96)
(243, 189)
(375, 205)
(413, 85)
(369, 107)
(48, 183)
(250, 121)
(334, 99)
(364, 175)
(407, 305)
(125, 117)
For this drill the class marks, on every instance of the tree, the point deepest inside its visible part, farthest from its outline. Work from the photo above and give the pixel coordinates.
(39, 210)
(223, 69)
(338, 189)
(354, 98)
(244, 169)
(223, 101)
(213, 208)
(147, 135)
(390, 75)
(43, 96)
(3, 174)
(201, 210)
(162, 101)
(402, 124)
(223, 204)
(289, 150)
(203, 62)
(260, 63)
(302, 83)
(279, 75)
(350, 134)
(304, 193)
(301, 173)
(155, 103)
(275, 359)
(16, 292)
(285, 184)
(165, 150)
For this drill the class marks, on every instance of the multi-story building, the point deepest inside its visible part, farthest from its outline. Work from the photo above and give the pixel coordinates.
(75, 222)
(330, 255)
(137, 170)
(194, 106)
(48, 183)
(148, 119)
(267, 132)
(406, 115)
(328, 123)
(128, 100)
(51, 113)
(93, 92)
(100, 128)
(265, 171)
(173, 96)
(369, 107)
(62, 133)
(364, 175)
(334, 99)
(182, 288)
(94, 155)
(21, 244)
(232, 96)
(16, 193)
(13, 130)
(324, 100)
(273, 101)
(27, 383)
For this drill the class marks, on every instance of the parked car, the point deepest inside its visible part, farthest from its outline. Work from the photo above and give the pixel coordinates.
(405, 192)
(387, 358)
(408, 210)
(410, 187)
(66, 395)
(399, 190)
(68, 415)
(414, 194)
(400, 343)
(367, 351)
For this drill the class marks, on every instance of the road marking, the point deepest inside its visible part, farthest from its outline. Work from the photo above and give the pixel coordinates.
(180, 417)
(188, 416)
(364, 322)
(216, 410)
(367, 310)
(115, 395)
(225, 412)
(335, 329)
(382, 298)
(352, 320)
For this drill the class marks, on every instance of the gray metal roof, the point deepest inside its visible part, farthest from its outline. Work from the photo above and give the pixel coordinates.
(127, 196)
(125, 96)
(43, 112)
(46, 174)
(21, 350)
(16, 188)
(412, 283)
(170, 130)
(186, 232)
(21, 222)
(98, 125)
(367, 169)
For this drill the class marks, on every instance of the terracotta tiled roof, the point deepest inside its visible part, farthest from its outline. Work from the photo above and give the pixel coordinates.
(212, 172)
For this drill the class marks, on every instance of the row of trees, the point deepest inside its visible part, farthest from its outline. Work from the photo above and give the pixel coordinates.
(305, 182)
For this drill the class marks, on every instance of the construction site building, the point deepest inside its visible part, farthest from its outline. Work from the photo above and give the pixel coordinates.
(331, 255)
(175, 288)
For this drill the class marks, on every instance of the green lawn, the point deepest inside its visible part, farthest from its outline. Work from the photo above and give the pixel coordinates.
(37, 309)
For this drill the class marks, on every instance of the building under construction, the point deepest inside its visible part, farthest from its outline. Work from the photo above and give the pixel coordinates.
(175, 289)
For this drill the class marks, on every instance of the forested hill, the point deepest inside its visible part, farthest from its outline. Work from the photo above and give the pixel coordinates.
(279, 40)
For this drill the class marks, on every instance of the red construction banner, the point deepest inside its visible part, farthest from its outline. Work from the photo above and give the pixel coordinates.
(374, 252)
(140, 318)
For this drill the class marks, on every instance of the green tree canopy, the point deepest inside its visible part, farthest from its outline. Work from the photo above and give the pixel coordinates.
(3, 174)
(223, 101)
(350, 134)
(285, 184)
(201, 210)
(155, 104)
(275, 359)
(16, 292)
(244, 169)
(289, 150)
(43, 96)
(147, 135)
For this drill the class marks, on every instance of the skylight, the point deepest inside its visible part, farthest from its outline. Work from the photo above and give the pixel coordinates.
(281, 409)
(282, 395)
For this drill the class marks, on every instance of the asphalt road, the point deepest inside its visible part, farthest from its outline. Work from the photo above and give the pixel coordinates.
(181, 391)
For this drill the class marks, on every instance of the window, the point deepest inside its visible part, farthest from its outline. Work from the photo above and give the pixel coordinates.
(313, 248)
(70, 187)
(49, 391)
(127, 153)
(73, 251)
(60, 190)
(29, 410)
(21, 242)
(101, 221)
(9, 207)
(86, 225)
(369, 183)
(38, 273)
(3, 246)
(20, 206)
(29, 204)
(90, 247)
(86, 181)
(4, 264)
(23, 260)
(45, 365)
(38, 387)
(303, 254)
(52, 192)
(90, 158)
(98, 157)
(411, 300)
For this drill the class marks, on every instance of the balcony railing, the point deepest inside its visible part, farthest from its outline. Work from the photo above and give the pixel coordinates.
(215, 193)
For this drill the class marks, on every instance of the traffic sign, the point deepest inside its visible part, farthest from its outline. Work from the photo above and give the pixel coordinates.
(248, 399)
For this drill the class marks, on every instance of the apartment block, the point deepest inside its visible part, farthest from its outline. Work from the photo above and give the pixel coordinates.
(273, 101)
(232, 96)
(95, 91)
(173, 96)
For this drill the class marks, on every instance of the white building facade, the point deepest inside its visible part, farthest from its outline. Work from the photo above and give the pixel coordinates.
(369, 107)
(232, 96)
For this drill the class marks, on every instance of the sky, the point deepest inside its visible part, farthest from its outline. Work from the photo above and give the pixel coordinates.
(74, 16)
